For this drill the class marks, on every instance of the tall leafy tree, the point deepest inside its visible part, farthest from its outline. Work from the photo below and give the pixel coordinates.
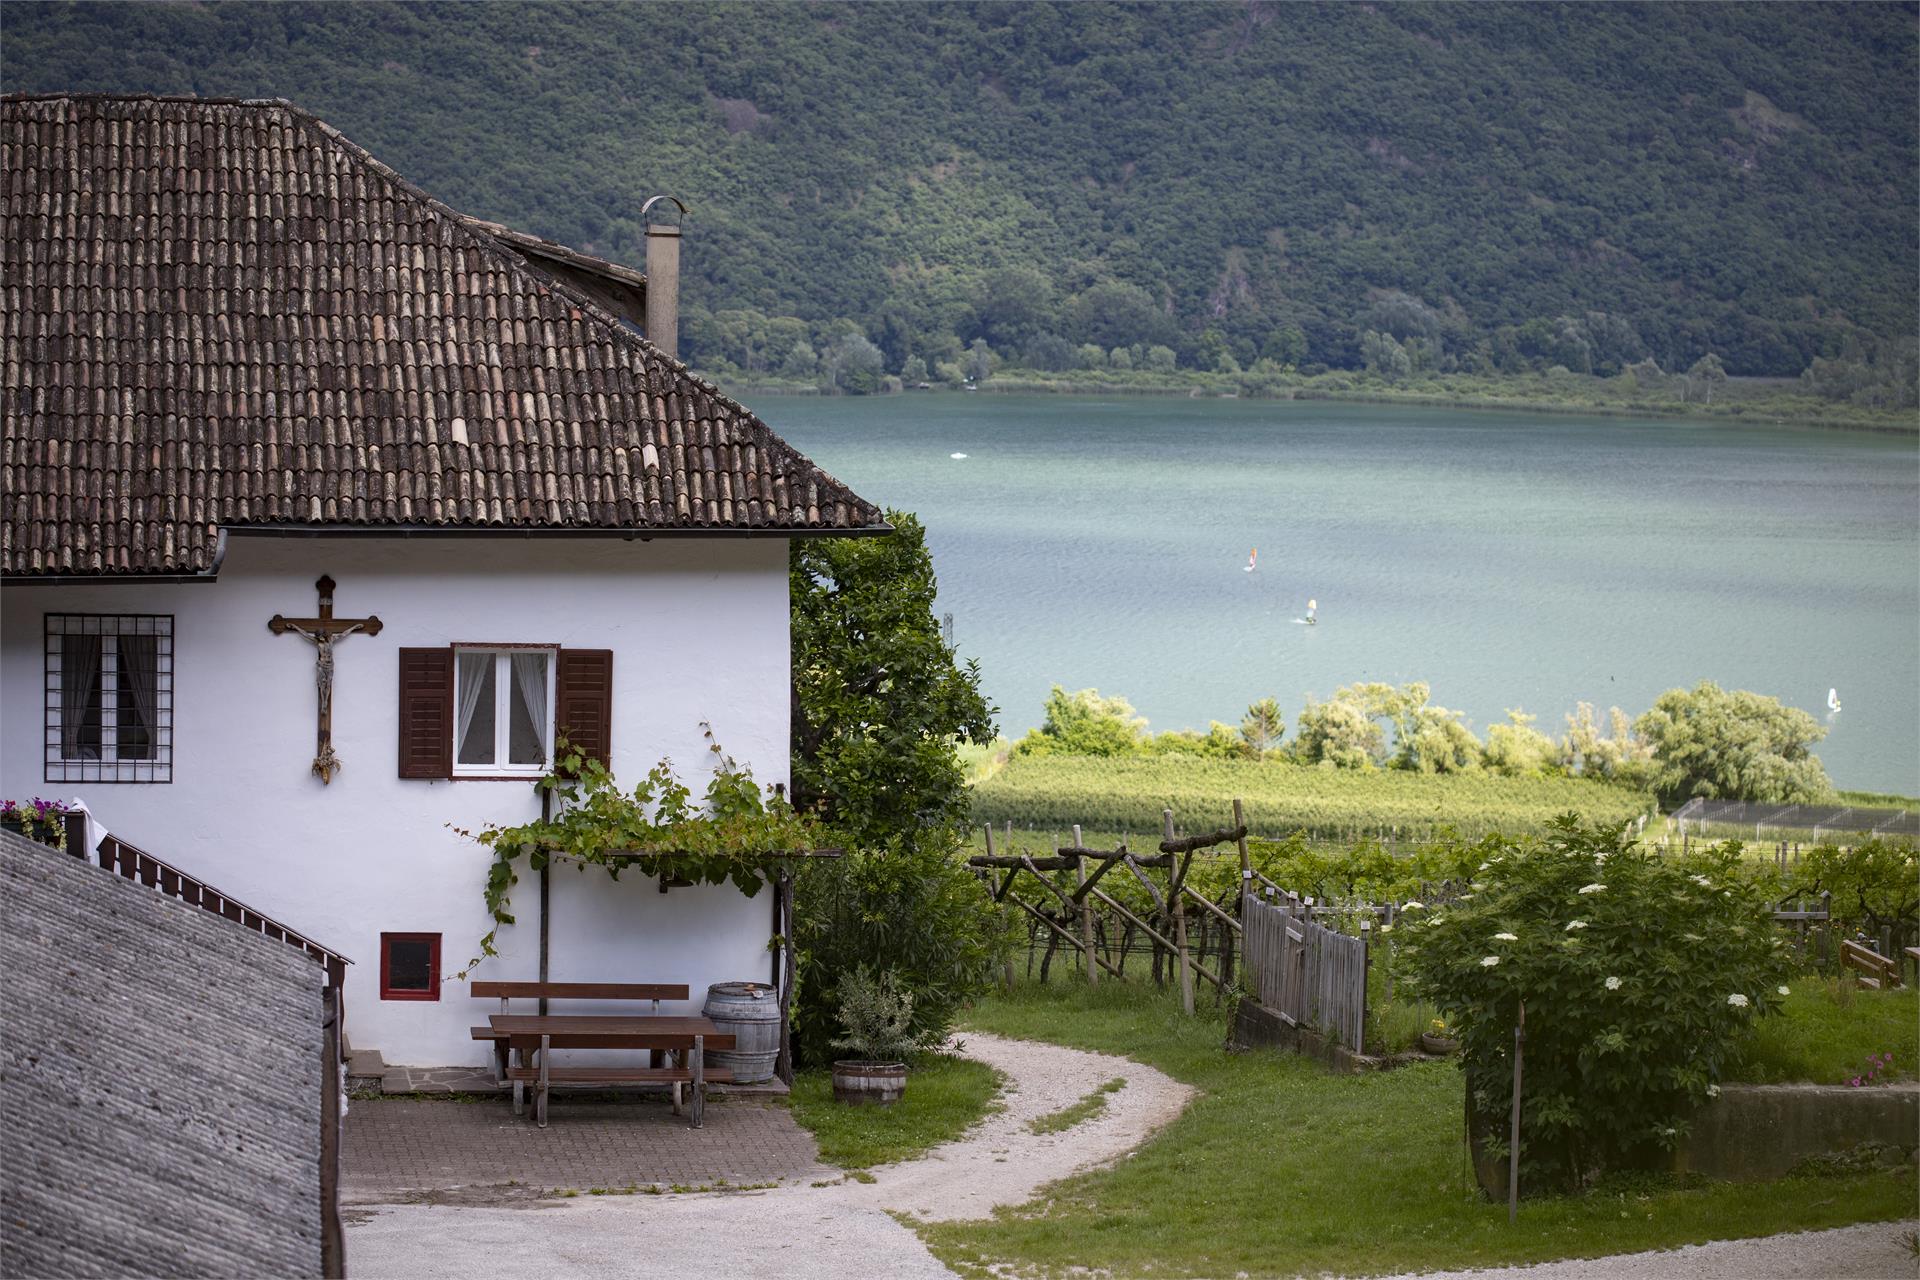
(879, 697)
(879, 701)
(1732, 745)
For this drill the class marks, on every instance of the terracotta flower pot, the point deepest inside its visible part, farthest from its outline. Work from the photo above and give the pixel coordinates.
(873, 1084)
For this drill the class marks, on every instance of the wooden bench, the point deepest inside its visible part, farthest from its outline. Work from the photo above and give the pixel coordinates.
(1875, 970)
(506, 992)
(540, 1073)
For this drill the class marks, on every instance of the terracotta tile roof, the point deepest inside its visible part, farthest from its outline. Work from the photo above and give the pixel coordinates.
(221, 313)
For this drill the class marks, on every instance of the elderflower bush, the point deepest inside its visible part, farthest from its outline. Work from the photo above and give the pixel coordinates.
(1639, 974)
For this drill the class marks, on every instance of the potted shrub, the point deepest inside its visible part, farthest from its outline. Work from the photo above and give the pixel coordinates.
(877, 1017)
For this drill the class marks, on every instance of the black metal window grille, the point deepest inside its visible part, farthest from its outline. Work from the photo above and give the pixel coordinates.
(109, 697)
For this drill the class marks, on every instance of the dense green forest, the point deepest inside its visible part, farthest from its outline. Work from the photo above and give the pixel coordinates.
(1486, 187)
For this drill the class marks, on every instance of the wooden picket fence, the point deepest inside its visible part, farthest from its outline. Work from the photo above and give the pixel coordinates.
(1310, 975)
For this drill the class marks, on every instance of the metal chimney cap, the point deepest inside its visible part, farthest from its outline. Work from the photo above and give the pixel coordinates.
(671, 228)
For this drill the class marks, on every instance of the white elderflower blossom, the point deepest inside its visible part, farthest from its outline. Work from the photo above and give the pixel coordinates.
(1593, 888)
(1506, 937)
(1575, 924)
(1613, 984)
(1783, 991)
(1713, 1091)
(1487, 962)
(1415, 906)
(1702, 881)
(1737, 1000)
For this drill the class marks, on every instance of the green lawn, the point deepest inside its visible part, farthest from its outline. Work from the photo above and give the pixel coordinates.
(1280, 1168)
(945, 1096)
(1828, 1031)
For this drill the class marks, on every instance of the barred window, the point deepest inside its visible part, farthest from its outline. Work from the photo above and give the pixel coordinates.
(109, 697)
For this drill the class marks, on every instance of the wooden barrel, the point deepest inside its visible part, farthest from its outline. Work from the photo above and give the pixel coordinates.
(751, 1012)
(875, 1084)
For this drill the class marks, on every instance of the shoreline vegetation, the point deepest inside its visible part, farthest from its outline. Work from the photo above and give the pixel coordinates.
(1762, 401)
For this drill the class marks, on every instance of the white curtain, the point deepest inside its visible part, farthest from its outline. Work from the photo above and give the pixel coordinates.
(79, 685)
(139, 676)
(475, 677)
(527, 742)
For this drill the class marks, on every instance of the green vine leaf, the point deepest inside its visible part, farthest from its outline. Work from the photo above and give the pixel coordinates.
(735, 833)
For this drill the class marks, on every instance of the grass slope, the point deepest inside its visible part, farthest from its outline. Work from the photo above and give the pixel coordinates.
(1280, 1169)
(1127, 794)
(1828, 1031)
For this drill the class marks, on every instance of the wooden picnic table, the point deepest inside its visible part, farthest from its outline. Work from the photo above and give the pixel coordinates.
(535, 1036)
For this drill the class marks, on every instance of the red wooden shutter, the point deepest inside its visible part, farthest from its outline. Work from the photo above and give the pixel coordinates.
(583, 690)
(426, 713)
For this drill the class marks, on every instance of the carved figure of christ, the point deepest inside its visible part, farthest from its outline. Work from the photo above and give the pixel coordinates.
(323, 632)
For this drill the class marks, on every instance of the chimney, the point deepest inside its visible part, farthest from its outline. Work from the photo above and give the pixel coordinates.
(663, 277)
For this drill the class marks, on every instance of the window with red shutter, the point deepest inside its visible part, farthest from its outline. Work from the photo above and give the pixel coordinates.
(485, 712)
(426, 713)
(584, 688)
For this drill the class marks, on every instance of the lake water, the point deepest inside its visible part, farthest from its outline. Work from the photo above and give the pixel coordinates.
(1508, 559)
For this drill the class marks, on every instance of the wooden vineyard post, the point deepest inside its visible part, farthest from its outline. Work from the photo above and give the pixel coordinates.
(1006, 970)
(1086, 911)
(1246, 883)
(1513, 1137)
(1175, 875)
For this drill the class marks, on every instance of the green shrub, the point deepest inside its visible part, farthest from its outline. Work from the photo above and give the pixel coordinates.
(913, 910)
(876, 1014)
(1639, 973)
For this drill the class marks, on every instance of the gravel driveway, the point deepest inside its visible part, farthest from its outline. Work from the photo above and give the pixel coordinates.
(794, 1232)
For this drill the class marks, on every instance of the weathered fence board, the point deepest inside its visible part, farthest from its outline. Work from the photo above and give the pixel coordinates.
(1310, 975)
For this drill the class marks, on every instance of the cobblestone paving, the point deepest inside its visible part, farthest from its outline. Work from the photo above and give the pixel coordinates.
(396, 1149)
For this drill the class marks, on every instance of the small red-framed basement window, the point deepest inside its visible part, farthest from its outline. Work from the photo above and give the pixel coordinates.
(409, 966)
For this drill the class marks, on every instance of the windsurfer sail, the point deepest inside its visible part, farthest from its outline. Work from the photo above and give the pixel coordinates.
(1833, 699)
(1312, 607)
(1253, 558)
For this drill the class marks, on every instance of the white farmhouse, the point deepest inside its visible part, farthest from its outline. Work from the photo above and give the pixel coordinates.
(242, 356)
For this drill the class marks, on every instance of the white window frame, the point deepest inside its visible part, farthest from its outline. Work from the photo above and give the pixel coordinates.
(108, 766)
(503, 711)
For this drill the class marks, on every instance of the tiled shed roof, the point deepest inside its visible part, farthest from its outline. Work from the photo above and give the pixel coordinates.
(221, 313)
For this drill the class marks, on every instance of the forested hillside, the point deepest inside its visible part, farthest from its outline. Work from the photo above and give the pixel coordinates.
(1507, 186)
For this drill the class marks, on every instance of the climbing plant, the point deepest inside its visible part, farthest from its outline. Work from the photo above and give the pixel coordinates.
(732, 835)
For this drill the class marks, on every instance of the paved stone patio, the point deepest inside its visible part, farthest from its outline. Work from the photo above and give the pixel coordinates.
(399, 1150)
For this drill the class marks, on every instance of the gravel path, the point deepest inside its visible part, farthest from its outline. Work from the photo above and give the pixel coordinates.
(1873, 1251)
(795, 1232)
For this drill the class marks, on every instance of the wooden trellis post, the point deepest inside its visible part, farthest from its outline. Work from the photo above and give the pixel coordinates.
(1176, 873)
(1006, 972)
(1086, 910)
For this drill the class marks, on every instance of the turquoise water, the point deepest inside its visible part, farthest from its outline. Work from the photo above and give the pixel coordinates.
(1508, 559)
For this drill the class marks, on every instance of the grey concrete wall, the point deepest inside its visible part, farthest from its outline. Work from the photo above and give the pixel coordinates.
(161, 1070)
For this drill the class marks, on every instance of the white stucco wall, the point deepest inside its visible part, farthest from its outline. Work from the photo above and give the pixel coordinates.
(699, 630)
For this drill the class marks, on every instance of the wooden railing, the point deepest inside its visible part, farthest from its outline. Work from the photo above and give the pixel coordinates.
(134, 863)
(1310, 975)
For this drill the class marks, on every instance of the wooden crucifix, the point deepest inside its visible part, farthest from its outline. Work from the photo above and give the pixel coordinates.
(323, 631)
